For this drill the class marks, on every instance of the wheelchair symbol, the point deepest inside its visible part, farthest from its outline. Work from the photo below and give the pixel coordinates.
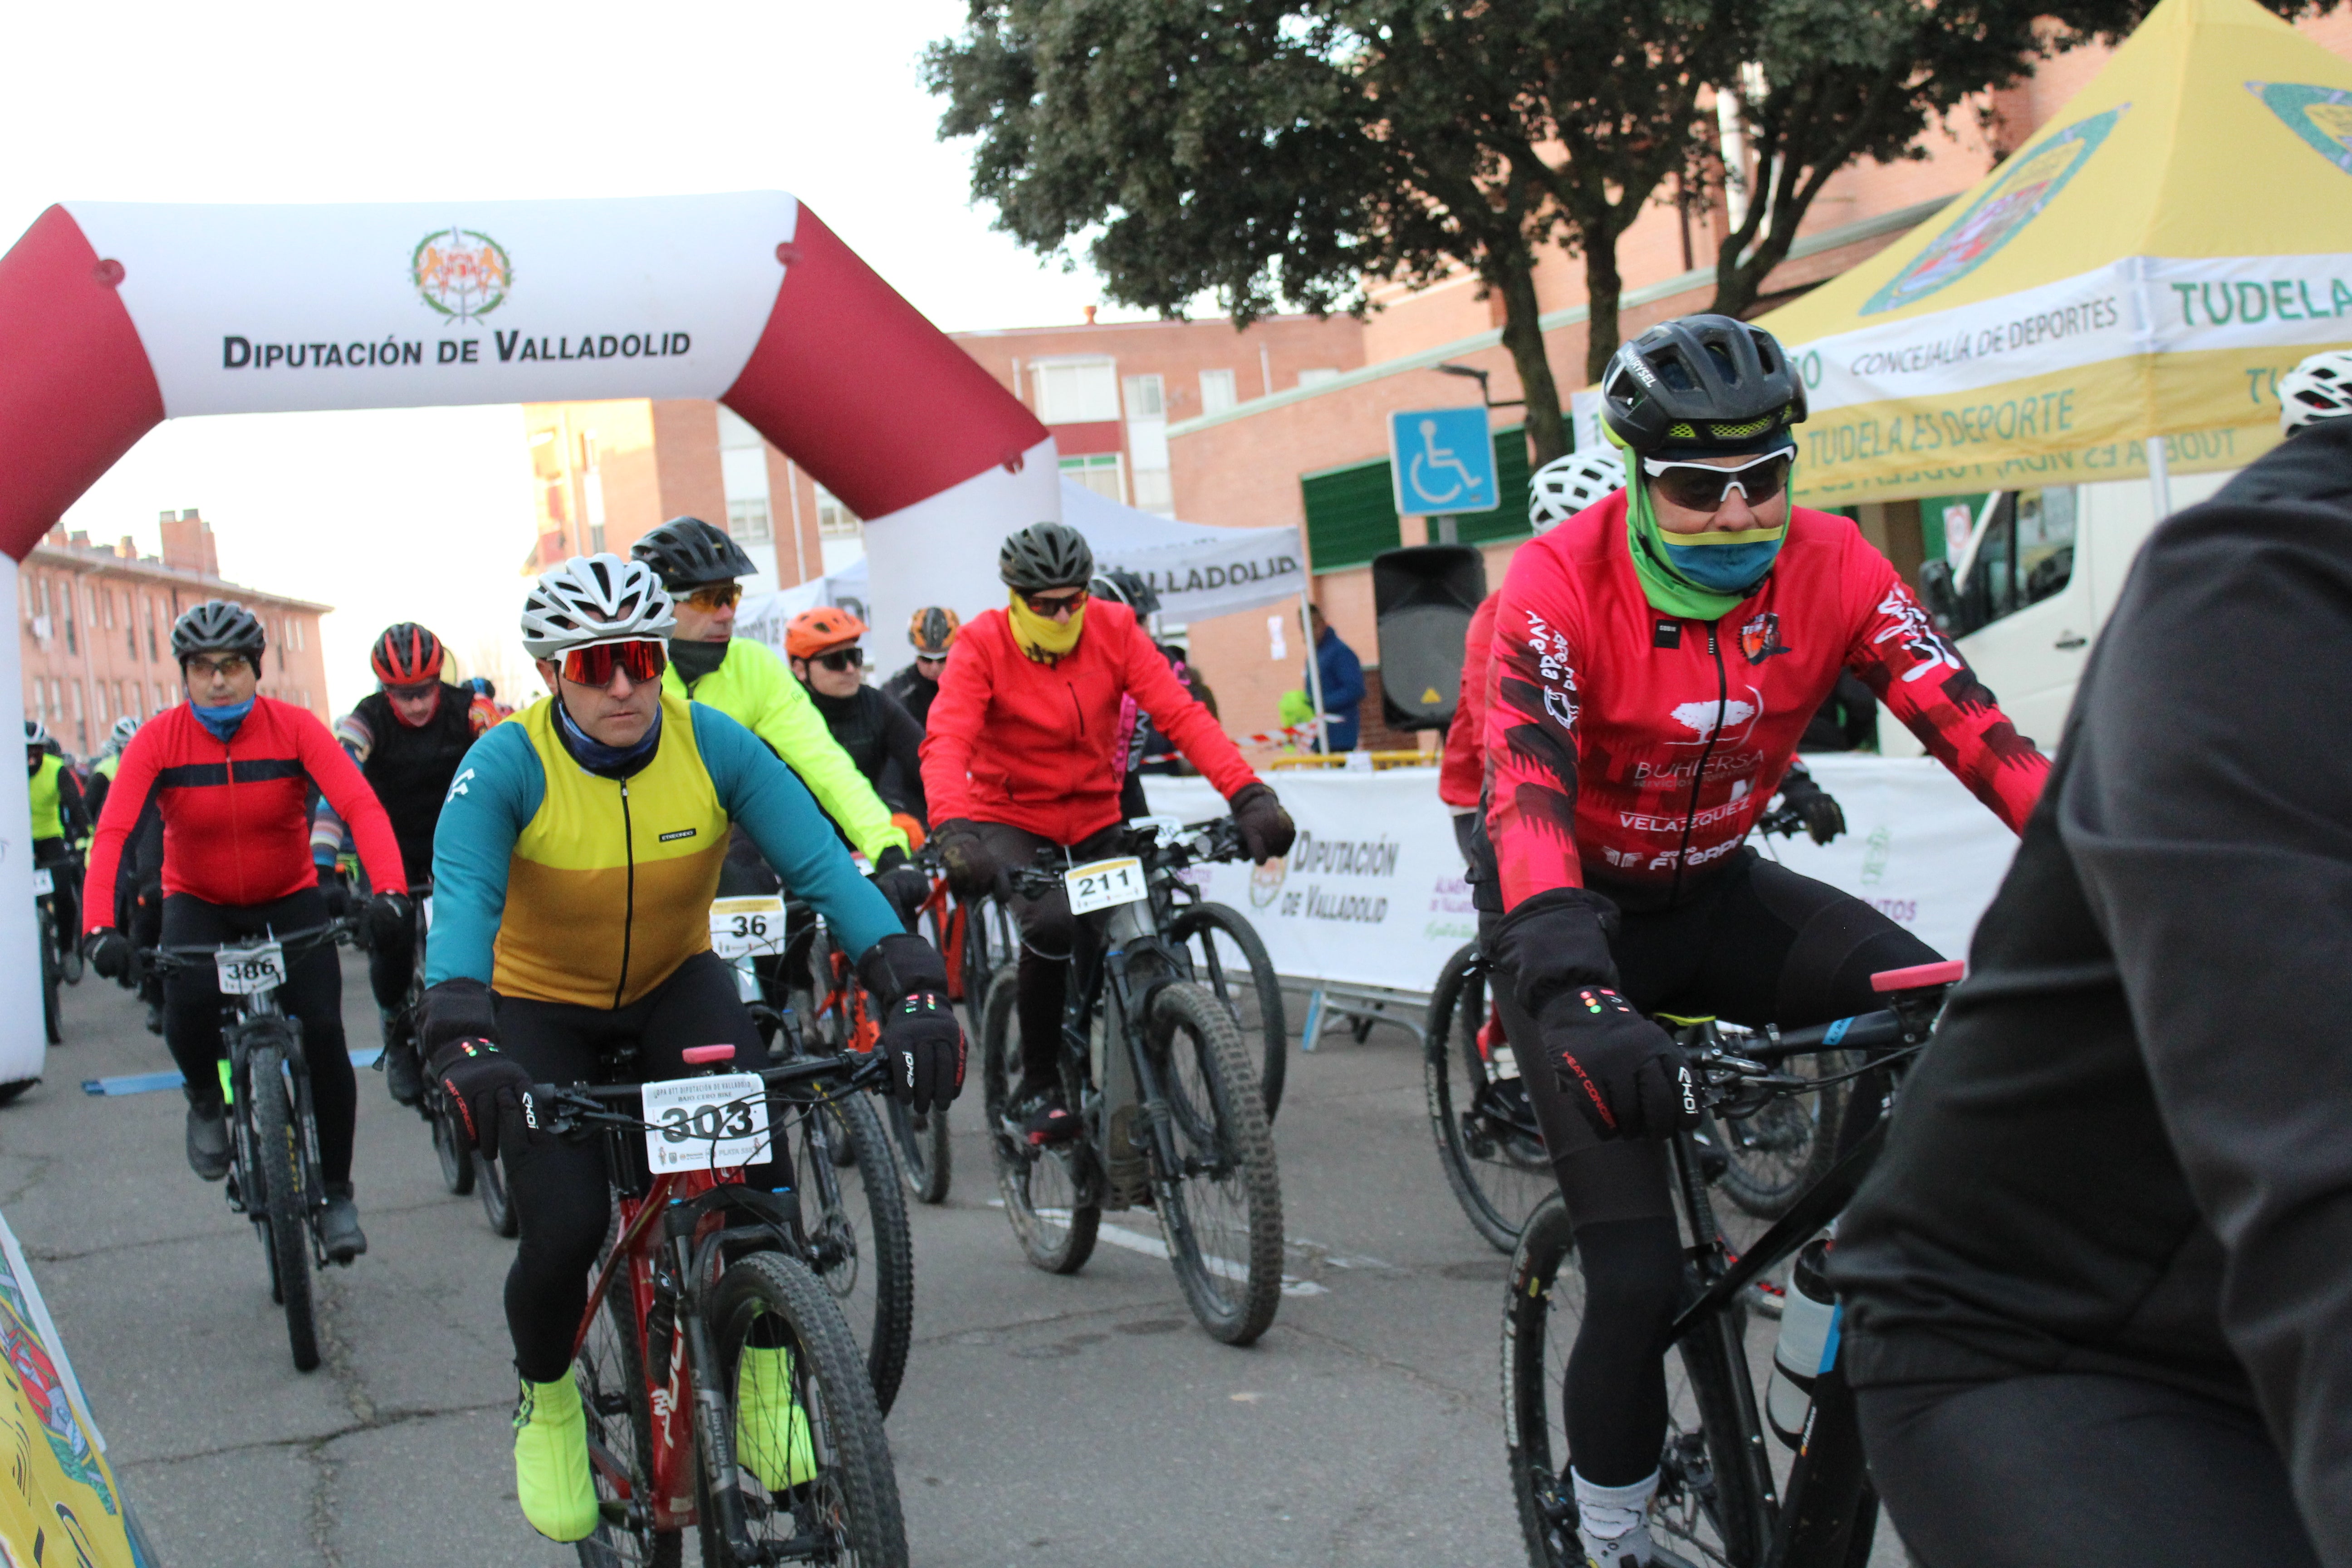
(1431, 458)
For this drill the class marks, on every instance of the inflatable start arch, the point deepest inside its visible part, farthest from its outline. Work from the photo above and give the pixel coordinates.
(115, 317)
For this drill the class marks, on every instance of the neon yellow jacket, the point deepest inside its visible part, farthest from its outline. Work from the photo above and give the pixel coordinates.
(48, 820)
(752, 687)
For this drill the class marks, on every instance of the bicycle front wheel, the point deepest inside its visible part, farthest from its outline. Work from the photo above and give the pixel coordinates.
(923, 1149)
(491, 1186)
(854, 1218)
(813, 1470)
(1487, 1140)
(50, 1019)
(274, 1139)
(1227, 957)
(1705, 1509)
(610, 1369)
(1222, 1205)
(1055, 1211)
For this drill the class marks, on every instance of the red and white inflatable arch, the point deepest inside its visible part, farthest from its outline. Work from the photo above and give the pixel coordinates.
(115, 317)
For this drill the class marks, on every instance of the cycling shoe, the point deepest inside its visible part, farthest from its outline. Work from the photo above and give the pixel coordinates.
(338, 1227)
(208, 1140)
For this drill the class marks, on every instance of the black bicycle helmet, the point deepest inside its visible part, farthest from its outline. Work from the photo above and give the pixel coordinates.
(217, 626)
(1045, 555)
(1126, 588)
(689, 552)
(1703, 387)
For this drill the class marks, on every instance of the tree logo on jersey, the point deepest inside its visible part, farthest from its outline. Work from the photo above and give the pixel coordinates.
(1760, 639)
(461, 272)
(1711, 717)
(2322, 116)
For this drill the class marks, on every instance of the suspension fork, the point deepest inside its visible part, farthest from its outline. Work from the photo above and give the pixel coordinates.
(696, 1254)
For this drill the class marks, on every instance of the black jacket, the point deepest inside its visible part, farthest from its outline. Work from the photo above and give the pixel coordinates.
(2129, 1149)
(914, 693)
(410, 770)
(885, 742)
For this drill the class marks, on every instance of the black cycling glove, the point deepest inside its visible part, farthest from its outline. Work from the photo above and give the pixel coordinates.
(972, 869)
(109, 952)
(921, 1040)
(490, 1092)
(387, 917)
(1824, 819)
(1623, 1073)
(338, 892)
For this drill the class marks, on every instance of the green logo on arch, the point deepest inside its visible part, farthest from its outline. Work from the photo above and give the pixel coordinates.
(2032, 181)
(2322, 116)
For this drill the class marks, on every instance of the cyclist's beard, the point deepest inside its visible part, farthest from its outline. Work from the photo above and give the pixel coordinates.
(1043, 639)
(697, 660)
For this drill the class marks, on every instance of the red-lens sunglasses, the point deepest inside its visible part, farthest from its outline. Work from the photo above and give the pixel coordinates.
(640, 660)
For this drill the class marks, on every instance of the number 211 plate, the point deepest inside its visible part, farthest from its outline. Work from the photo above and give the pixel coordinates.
(1104, 884)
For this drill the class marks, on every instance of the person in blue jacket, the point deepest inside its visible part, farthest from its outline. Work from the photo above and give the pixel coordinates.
(1343, 684)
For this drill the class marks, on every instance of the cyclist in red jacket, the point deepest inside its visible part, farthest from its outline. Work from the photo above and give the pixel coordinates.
(1024, 749)
(1655, 658)
(232, 771)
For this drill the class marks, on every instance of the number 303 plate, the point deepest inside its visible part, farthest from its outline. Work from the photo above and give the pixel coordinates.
(1104, 884)
(698, 1123)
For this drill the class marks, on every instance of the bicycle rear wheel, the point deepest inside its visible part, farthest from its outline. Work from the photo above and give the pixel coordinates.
(1222, 1208)
(280, 1175)
(50, 1019)
(1487, 1140)
(1054, 1207)
(1705, 1510)
(450, 1145)
(610, 1369)
(854, 1218)
(1788, 1144)
(1228, 957)
(491, 1187)
(812, 1468)
(924, 1153)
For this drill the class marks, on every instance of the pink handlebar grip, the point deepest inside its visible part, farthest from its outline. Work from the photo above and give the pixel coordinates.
(703, 1055)
(1916, 978)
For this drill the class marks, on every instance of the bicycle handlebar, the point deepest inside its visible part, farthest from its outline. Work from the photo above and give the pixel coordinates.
(578, 1102)
(171, 960)
(1163, 848)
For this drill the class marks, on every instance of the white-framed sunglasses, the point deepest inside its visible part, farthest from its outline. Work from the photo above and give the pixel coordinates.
(1702, 486)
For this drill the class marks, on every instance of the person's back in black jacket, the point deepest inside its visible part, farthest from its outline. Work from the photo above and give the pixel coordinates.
(2099, 1289)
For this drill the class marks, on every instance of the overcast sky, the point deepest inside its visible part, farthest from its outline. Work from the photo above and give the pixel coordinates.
(426, 514)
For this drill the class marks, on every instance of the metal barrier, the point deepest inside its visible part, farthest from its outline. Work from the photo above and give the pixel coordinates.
(1361, 1005)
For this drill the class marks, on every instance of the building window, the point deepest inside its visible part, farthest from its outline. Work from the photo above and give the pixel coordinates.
(1076, 394)
(1216, 391)
(1146, 397)
(834, 520)
(1316, 377)
(1101, 473)
(152, 656)
(163, 697)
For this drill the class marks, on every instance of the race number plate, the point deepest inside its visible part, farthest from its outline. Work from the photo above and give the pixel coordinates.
(43, 883)
(1104, 884)
(244, 969)
(741, 927)
(701, 1122)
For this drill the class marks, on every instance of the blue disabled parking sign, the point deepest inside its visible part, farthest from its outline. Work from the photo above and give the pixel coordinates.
(1444, 461)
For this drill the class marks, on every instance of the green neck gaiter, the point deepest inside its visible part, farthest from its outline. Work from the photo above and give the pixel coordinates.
(1667, 590)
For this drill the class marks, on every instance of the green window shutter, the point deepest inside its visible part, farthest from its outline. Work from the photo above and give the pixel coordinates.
(1350, 514)
(1508, 520)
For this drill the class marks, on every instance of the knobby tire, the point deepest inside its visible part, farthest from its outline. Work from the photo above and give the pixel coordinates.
(1042, 1188)
(879, 1249)
(1497, 1172)
(1260, 992)
(925, 1154)
(1230, 1191)
(274, 1142)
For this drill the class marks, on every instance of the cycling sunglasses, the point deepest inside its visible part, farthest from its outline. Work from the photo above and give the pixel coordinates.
(1702, 487)
(841, 658)
(412, 693)
(1041, 605)
(640, 660)
(718, 596)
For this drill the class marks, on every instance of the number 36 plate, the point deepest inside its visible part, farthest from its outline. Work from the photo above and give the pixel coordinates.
(244, 969)
(701, 1122)
(740, 927)
(1104, 884)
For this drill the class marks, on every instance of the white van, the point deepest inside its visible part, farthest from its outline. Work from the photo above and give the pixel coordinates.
(2038, 577)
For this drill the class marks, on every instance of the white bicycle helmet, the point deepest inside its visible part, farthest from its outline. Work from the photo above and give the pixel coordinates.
(2319, 388)
(124, 728)
(594, 599)
(1566, 485)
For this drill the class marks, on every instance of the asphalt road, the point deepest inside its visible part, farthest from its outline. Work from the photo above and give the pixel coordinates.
(1044, 1421)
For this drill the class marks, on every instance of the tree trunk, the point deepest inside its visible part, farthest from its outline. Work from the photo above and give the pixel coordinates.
(1602, 285)
(1523, 335)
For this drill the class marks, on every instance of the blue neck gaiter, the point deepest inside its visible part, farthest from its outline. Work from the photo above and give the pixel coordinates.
(223, 720)
(606, 762)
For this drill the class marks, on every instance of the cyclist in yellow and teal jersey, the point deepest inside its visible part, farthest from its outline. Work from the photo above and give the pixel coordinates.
(573, 867)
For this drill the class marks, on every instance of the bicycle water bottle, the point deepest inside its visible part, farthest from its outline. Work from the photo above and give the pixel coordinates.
(1805, 1323)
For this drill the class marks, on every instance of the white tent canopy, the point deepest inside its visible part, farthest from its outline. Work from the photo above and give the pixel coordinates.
(1198, 571)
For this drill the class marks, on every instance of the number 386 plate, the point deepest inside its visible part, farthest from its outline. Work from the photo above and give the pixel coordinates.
(1104, 884)
(244, 969)
(698, 1123)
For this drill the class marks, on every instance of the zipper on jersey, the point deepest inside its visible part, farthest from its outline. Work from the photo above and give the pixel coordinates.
(1698, 778)
(1075, 708)
(629, 899)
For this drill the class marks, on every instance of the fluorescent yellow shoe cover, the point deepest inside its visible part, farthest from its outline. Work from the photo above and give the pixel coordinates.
(771, 1430)
(552, 1460)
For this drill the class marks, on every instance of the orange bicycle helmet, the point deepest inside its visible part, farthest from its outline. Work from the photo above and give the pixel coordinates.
(933, 630)
(405, 654)
(813, 632)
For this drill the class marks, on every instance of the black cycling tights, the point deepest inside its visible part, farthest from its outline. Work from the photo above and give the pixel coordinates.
(561, 1190)
(1048, 937)
(313, 994)
(1757, 944)
(2085, 1469)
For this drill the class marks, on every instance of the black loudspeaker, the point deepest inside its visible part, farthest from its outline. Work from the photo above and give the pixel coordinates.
(1423, 598)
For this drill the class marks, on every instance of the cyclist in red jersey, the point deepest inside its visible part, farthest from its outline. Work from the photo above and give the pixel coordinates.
(1655, 658)
(1024, 750)
(232, 771)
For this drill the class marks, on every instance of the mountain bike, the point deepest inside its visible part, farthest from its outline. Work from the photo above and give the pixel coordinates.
(274, 1176)
(1166, 1094)
(712, 1295)
(838, 1015)
(1716, 1502)
(463, 1168)
(844, 1164)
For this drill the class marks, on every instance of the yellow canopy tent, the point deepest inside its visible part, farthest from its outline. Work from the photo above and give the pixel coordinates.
(2115, 301)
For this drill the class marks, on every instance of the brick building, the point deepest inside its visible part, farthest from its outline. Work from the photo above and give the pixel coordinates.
(95, 630)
